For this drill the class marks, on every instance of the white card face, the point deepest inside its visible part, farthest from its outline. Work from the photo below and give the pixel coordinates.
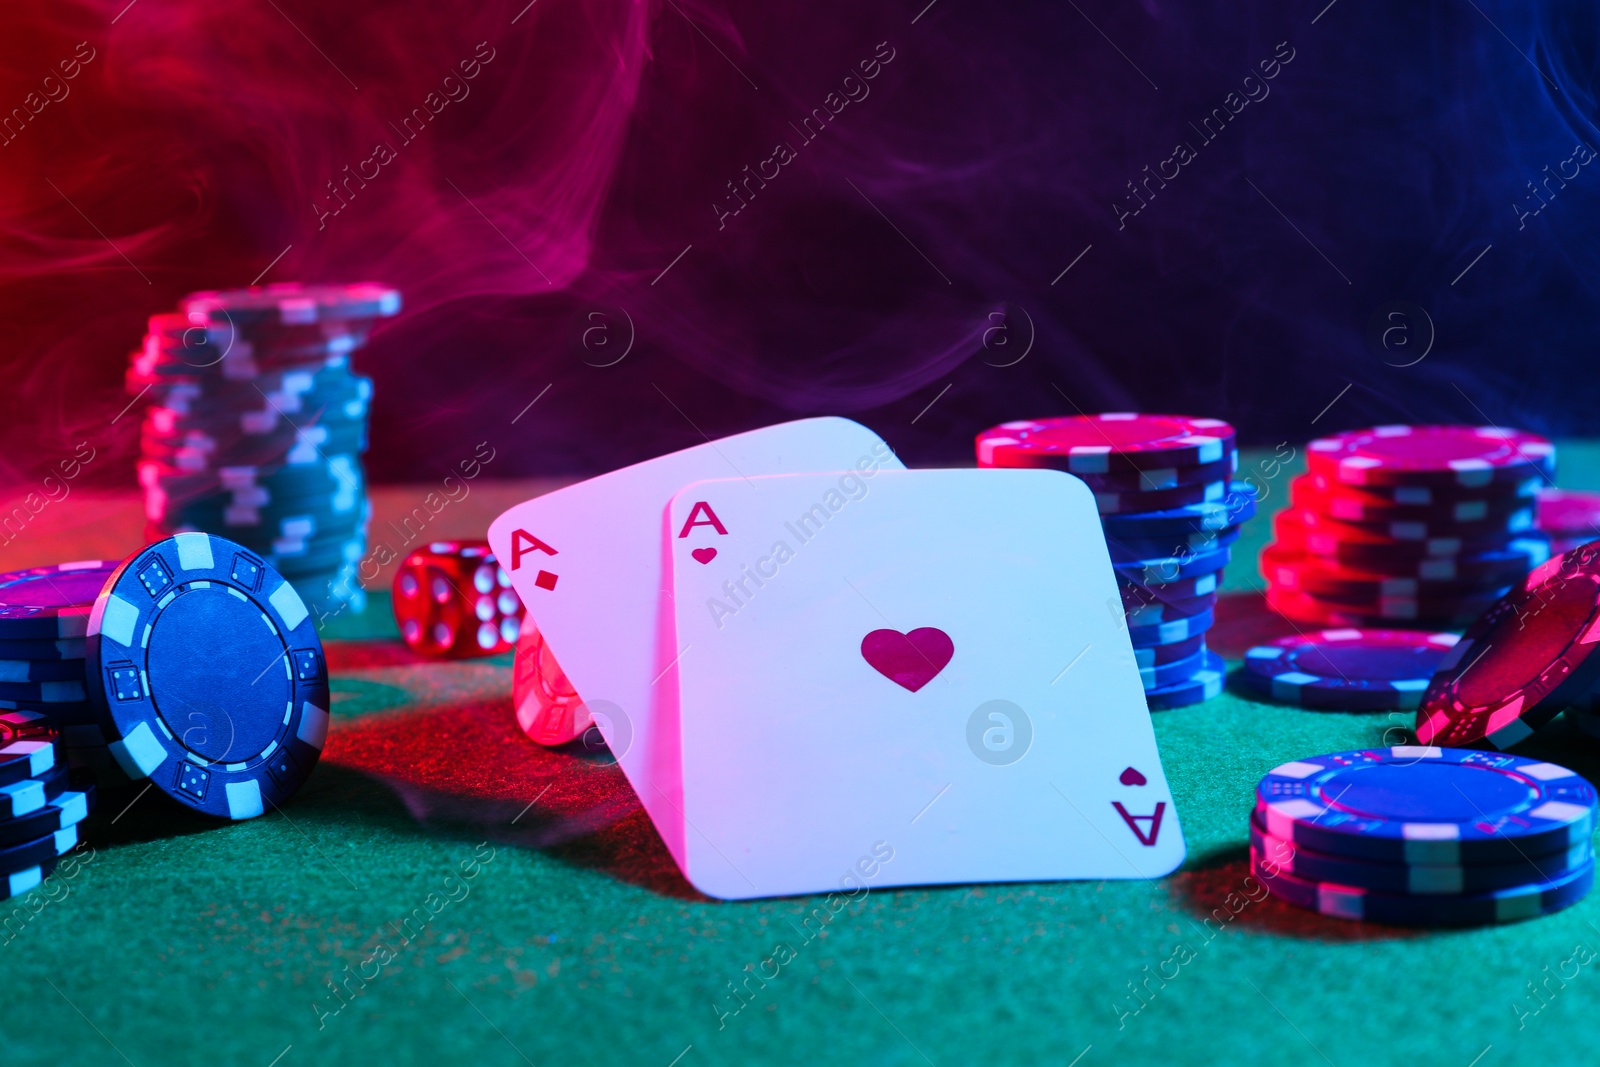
(926, 664)
(588, 562)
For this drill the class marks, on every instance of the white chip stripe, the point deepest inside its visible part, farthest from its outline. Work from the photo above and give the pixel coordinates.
(194, 551)
(118, 620)
(244, 799)
(140, 753)
(313, 728)
(290, 608)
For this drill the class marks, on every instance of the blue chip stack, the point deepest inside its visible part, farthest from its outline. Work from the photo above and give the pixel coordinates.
(1420, 836)
(258, 427)
(1162, 484)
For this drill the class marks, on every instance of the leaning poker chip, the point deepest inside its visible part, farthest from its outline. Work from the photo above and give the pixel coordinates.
(1198, 687)
(209, 676)
(31, 794)
(1524, 660)
(67, 809)
(1419, 879)
(1356, 668)
(1158, 654)
(1115, 503)
(1417, 804)
(1468, 909)
(50, 603)
(20, 857)
(1238, 505)
(1165, 633)
(1467, 456)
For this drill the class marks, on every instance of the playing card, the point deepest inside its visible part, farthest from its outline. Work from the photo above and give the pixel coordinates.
(926, 665)
(588, 562)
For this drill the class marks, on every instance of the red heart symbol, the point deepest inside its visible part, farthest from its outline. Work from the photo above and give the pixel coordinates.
(704, 555)
(909, 660)
(1132, 777)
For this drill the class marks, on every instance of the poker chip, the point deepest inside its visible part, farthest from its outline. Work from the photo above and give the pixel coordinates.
(208, 676)
(1316, 496)
(1155, 479)
(35, 651)
(1157, 612)
(1320, 611)
(20, 882)
(21, 857)
(1137, 551)
(27, 758)
(1524, 660)
(1198, 687)
(1154, 655)
(256, 425)
(1098, 444)
(26, 726)
(1317, 577)
(50, 603)
(48, 670)
(1301, 531)
(1237, 506)
(1117, 503)
(1429, 501)
(1418, 879)
(67, 809)
(1176, 671)
(44, 692)
(1466, 456)
(1468, 909)
(1423, 805)
(1570, 517)
(1351, 668)
(1136, 594)
(1169, 569)
(57, 714)
(549, 709)
(30, 794)
(1165, 633)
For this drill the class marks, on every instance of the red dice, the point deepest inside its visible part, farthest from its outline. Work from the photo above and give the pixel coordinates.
(451, 599)
(549, 709)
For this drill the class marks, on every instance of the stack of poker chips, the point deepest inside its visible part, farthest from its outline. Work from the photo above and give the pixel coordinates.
(1170, 511)
(1571, 517)
(50, 740)
(258, 424)
(1420, 836)
(453, 600)
(1425, 525)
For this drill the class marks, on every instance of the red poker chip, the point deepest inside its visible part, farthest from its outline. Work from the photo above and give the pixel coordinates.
(1467, 456)
(1321, 612)
(1522, 662)
(1300, 530)
(1315, 576)
(1572, 512)
(1467, 517)
(1153, 479)
(1433, 496)
(1121, 442)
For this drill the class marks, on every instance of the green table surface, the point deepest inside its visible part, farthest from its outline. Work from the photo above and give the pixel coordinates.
(479, 900)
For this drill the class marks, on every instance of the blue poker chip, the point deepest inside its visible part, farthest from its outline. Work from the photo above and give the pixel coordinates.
(26, 758)
(1236, 507)
(1357, 669)
(1127, 550)
(50, 603)
(1165, 633)
(1137, 593)
(1179, 670)
(58, 813)
(20, 857)
(44, 692)
(1468, 909)
(209, 677)
(1155, 571)
(19, 882)
(31, 794)
(1198, 687)
(1420, 805)
(66, 648)
(41, 670)
(1153, 655)
(1419, 879)
(1160, 611)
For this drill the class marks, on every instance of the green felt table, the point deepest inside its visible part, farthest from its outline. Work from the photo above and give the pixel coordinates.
(480, 900)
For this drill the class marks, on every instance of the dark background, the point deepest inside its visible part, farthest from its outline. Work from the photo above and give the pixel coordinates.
(1358, 233)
